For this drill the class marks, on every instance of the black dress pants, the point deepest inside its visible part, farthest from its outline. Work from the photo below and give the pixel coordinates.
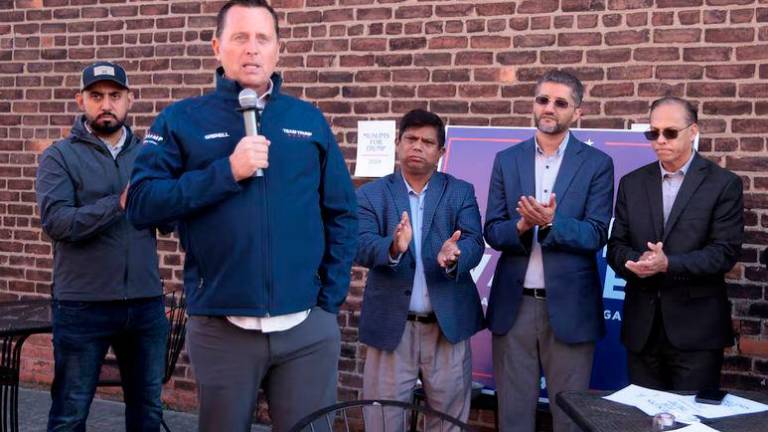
(660, 365)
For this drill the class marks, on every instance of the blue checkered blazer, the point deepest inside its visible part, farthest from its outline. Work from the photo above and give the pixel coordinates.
(449, 205)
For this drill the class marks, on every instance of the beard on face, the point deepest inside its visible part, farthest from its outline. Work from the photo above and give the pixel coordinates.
(105, 123)
(555, 129)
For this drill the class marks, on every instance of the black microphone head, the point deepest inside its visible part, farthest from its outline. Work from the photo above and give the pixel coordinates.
(248, 98)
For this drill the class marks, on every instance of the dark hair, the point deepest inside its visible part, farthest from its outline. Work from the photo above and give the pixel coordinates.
(565, 78)
(418, 118)
(691, 113)
(222, 16)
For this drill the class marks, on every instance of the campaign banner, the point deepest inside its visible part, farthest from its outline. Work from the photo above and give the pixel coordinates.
(469, 155)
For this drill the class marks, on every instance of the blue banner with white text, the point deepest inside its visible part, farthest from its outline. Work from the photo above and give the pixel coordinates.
(469, 156)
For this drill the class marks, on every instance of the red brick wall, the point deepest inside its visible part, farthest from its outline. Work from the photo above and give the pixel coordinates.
(473, 62)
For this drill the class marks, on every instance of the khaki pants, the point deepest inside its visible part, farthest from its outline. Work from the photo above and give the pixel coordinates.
(445, 368)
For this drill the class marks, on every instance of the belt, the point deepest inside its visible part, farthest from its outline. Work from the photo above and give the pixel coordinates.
(429, 318)
(539, 293)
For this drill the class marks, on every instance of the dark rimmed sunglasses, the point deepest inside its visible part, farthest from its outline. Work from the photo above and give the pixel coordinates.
(668, 133)
(559, 103)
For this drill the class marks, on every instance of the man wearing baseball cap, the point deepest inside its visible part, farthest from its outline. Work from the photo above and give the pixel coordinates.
(106, 283)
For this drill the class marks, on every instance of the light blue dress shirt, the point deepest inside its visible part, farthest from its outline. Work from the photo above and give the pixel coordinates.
(420, 303)
(419, 296)
(546, 169)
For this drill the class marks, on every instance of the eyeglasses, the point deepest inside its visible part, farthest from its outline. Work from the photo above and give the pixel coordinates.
(559, 103)
(668, 133)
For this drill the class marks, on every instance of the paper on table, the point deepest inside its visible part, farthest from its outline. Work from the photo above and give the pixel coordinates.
(375, 148)
(684, 408)
(696, 427)
(653, 402)
(731, 405)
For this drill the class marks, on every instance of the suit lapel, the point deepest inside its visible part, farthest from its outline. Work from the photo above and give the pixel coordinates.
(693, 178)
(396, 186)
(526, 167)
(435, 192)
(399, 193)
(572, 160)
(655, 204)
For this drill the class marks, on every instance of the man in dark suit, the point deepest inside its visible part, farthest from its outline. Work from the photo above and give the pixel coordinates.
(420, 235)
(678, 230)
(549, 206)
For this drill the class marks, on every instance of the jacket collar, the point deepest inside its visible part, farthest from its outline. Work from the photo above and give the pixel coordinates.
(434, 193)
(81, 134)
(572, 160)
(231, 89)
(695, 175)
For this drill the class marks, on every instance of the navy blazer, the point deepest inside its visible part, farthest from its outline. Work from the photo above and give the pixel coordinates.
(449, 205)
(584, 192)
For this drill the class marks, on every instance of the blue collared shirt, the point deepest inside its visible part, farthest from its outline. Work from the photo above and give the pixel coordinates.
(419, 296)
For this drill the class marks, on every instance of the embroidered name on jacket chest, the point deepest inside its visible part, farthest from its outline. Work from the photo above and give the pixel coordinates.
(216, 135)
(297, 133)
(293, 133)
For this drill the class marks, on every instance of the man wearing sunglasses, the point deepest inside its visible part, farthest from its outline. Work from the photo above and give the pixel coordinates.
(678, 230)
(549, 206)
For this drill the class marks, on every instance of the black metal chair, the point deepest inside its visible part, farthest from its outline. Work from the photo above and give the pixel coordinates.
(380, 416)
(176, 312)
(481, 400)
(19, 319)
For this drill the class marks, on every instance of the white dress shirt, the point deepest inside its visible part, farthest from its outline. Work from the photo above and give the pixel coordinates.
(546, 169)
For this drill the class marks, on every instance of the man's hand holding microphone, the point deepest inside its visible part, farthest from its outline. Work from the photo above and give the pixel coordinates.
(250, 155)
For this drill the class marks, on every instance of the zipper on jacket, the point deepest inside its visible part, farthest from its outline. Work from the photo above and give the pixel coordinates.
(268, 248)
(126, 240)
(267, 231)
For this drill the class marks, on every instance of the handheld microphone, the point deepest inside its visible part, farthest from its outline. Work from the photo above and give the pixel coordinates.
(251, 106)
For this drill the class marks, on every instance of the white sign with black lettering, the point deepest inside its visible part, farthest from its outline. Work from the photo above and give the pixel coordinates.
(375, 148)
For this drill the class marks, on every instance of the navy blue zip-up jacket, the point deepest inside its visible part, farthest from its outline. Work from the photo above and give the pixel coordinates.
(97, 254)
(268, 245)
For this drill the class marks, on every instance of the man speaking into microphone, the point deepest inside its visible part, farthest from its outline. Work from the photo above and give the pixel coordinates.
(268, 257)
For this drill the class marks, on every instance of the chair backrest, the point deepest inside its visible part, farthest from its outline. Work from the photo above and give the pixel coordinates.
(379, 416)
(176, 303)
(176, 312)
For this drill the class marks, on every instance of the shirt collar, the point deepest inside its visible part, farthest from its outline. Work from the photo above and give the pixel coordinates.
(268, 93)
(410, 189)
(683, 170)
(231, 89)
(118, 144)
(560, 150)
(121, 141)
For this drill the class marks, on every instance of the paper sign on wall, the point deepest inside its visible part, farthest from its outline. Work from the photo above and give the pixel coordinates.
(375, 148)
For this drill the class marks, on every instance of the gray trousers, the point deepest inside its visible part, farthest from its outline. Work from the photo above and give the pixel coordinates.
(516, 358)
(446, 373)
(299, 368)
